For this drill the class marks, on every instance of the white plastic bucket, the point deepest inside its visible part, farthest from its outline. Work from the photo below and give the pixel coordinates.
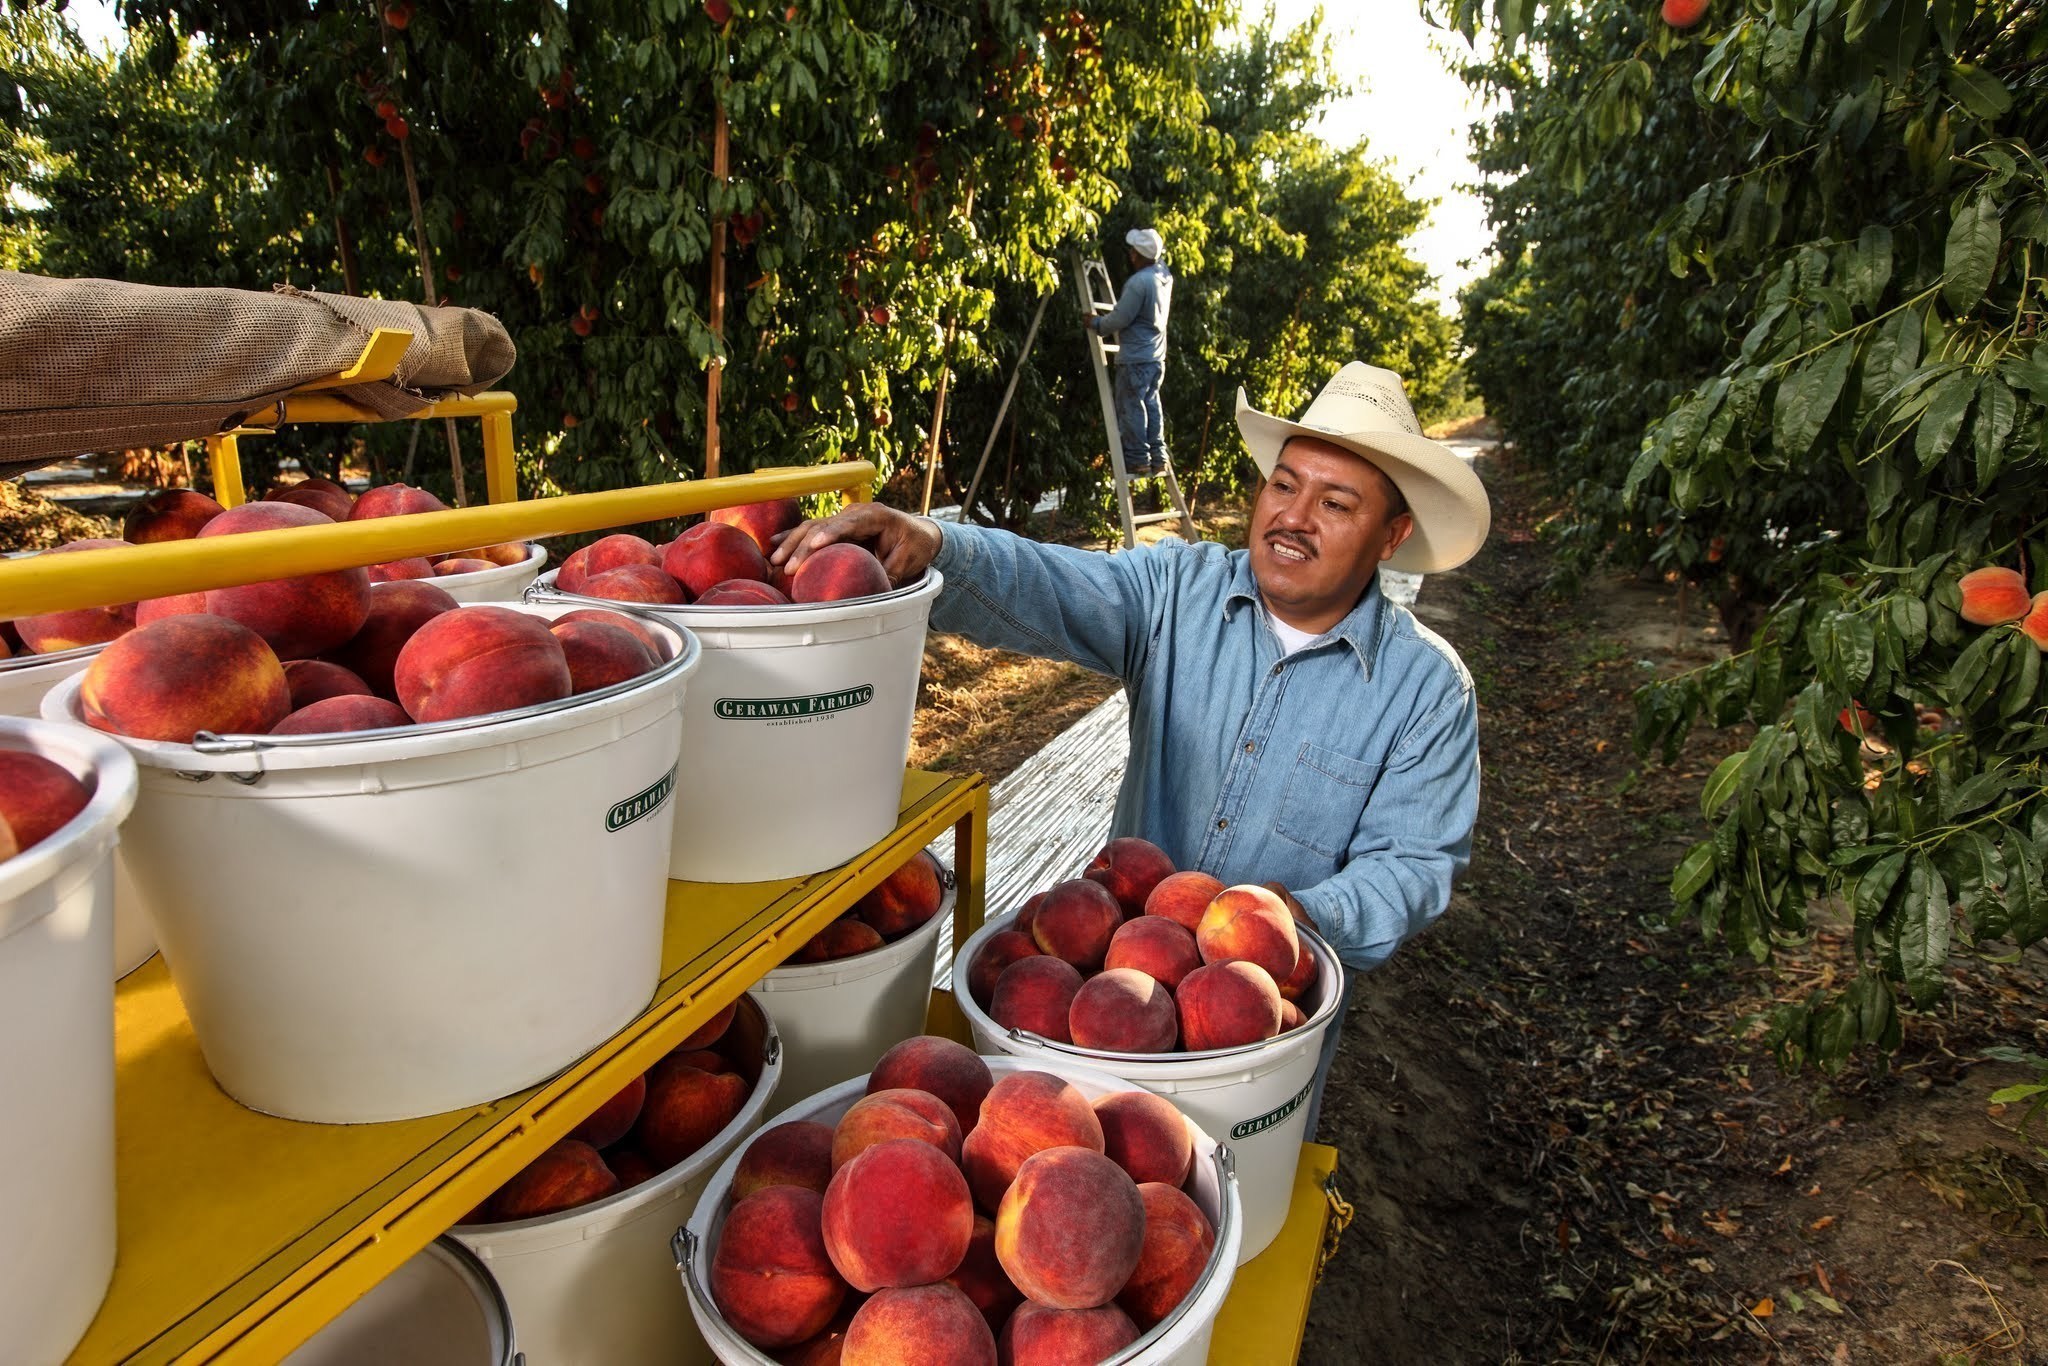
(595, 1285)
(1254, 1098)
(383, 925)
(838, 1018)
(1182, 1338)
(57, 1065)
(440, 1308)
(797, 729)
(500, 583)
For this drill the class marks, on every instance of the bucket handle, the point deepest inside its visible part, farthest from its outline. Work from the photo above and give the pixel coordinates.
(683, 1247)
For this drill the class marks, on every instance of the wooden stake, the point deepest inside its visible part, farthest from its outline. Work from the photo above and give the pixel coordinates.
(721, 148)
(931, 454)
(344, 240)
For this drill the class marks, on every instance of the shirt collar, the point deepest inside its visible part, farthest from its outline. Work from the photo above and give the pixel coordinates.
(1361, 629)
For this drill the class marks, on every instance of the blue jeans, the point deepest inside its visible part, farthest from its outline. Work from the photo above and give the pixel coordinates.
(1140, 419)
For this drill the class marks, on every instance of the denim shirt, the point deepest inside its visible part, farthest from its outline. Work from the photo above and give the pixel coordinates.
(1139, 319)
(1347, 771)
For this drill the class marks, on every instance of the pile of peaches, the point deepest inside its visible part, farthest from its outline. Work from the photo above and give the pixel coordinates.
(722, 562)
(903, 903)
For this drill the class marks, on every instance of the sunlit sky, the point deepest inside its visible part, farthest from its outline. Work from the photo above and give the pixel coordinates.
(1408, 107)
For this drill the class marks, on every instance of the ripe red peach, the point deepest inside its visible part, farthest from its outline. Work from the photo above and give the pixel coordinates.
(898, 1214)
(396, 611)
(351, 711)
(997, 952)
(601, 557)
(685, 1108)
(1297, 983)
(837, 573)
(1158, 947)
(177, 605)
(81, 626)
(743, 593)
(1036, 994)
(466, 564)
(1291, 1017)
(1993, 596)
(1227, 1005)
(710, 553)
(843, 938)
(565, 1176)
(298, 617)
(324, 496)
(38, 797)
(635, 583)
(1070, 1229)
(614, 1119)
(712, 1030)
(477, 661)
(1253, 924)
(1075, 921)
(176, 677)
(798, 1153)
(315, 680)
(393, 571)
(1177, 1247)
(1039, 1335)
(625, 621)
(762, 521)
(1145, 1135)
(600, 655)
(942, 1067)
(1025, 1113)
(1130, 868)
(1027, 914)
(770, 1275)
(630, 1165)
(980, 1277)
(1123, 1011)
(2034, 626)
(905, 899)
(1182, 897)
(925, 1325)
(899, 1112)
(394, 500)
(169, 515)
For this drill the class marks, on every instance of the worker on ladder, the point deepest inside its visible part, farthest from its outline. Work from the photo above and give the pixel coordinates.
(1139, 324)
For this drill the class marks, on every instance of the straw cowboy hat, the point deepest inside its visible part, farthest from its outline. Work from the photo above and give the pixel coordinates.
(1365, 410)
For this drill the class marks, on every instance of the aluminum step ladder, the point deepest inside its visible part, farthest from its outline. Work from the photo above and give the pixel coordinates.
(1098, 296)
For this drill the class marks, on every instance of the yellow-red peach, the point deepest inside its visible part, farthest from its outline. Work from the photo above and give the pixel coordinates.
(843, 938)
(1039, 1335)
(837, 573)
(743, 593)
(569, 1174)
(942, 1067)
(81, 626)
(898, 1214)
(1130, 868)
(635, 583)
(315, 680)
(798, 1153)
(393, 500)
(1291, 1017)
(997, 952)
(710, 553)
(645, 634)
(600, 654)
(614, 1119)
(393, 571)
(1070, 1228)
(1251, 923)
(169, 515)
(925, 1325)
(1227, 1005)
(462, 564)
(905, 899)
(1160, 948)
(173, 678)
(177, 605)
(505, 552)
(1182, 897)
(1024, 1113)
(1178, 1244)
(899, 1112)
(763, 522)
(685, 1108)
(980, 1277)
(1993, 596)
(476, 661)
(770, 1276)
(712, 1030)
(350, 711)
(1145, 1135)
(299, 617)
(322, 495)
(37, 798)
(705, 1060)
(1036, 994)
(2034, 626)
(1123, 1010)
(1027, 914)
(1297, 983)
(396, 611)
(1075, 921)
(601, 557)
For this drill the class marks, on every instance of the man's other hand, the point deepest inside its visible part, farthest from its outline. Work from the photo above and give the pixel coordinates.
(904, 544)
(1293, 906)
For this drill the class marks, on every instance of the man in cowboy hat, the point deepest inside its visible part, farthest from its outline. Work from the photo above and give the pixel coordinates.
(1288, 724)
(1138, 322)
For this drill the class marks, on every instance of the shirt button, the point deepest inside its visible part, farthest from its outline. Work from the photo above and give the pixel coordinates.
(1223, 824)
(1278, 667)
(1249, 747)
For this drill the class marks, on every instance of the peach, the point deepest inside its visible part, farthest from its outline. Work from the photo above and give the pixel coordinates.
(1993, 596)
(505, 552)
(2034, 626)
(826, 1347)
(177, 605)
(1036, 994)
(706, 1060)
(924, 1325)
(324, 496)
(1297, 982)
(476, 661)
(685, 1108)
(394, 500)
(997, 952)
(905, 899)
(762, 521)
(1075, 921)
(1123, 1011)
(569, 1174)
(613, 1120)
(1027, 914)
(601, 557)
(1226, 1005)
(461, 564)
(743, 593)
(397, 610)
(630, 1165)
(1177, 1247)
(944, 1068)
(798, 1153)
(1160, 948)
(176, 677)
(169, 515)
(625, 621)
(1039, 1335)
(838, 572)
(1070, 1229)
(710, 553)
(392, 571)
(81, 626)
(1130, 868)
(843, 938)
(712, 1030)
(1250, 923)
(600, 654)
(315, 680)
(898, 1112)
(299, 617)
(1291, 1017)
(37, 798)
(770, 1275)
(898, 1214)
(351, 711)
(1182, 897)
(1025, 1113)
(635, 583)
(980, 1276)
(1146, 1136)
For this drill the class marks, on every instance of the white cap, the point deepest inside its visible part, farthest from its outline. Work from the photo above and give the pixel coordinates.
(1146, 241)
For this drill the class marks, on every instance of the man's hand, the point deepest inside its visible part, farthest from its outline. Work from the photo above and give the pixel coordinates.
(1293, 906)
(904, 544)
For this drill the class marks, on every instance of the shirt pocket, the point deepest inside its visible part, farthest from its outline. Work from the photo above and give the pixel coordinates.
(1325, 795)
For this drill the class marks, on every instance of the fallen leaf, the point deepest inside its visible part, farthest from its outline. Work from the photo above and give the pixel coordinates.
(1823, 1222)
(1814, 1189)
(1784, 1166)
(1722, 1225)
(1763, 1308)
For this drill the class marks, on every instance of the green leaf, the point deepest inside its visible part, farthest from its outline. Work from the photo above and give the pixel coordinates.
(1944, 417)
(2026, 1090)
(1722, 785)
(1923, 933)
(1997, 409)
(1807, 397)
(1978, 91)
(2024, 677)
(1873, 888)
(1855, 643)
(1694, 871)
(1869, 266)
(1971, 254)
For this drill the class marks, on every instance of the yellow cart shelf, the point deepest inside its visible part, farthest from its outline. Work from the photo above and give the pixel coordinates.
(240, 1234)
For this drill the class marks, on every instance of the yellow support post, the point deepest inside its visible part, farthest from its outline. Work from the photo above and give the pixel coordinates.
(225, 455)
(501, 480)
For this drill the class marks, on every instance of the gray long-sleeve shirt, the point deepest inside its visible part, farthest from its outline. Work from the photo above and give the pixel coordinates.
(1139, 318)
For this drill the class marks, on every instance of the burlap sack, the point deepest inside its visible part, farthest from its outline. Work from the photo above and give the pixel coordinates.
(101, 365)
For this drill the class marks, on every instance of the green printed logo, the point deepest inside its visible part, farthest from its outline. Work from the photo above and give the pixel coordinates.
(644, 803)
(1246, 1128)
(792, 708)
